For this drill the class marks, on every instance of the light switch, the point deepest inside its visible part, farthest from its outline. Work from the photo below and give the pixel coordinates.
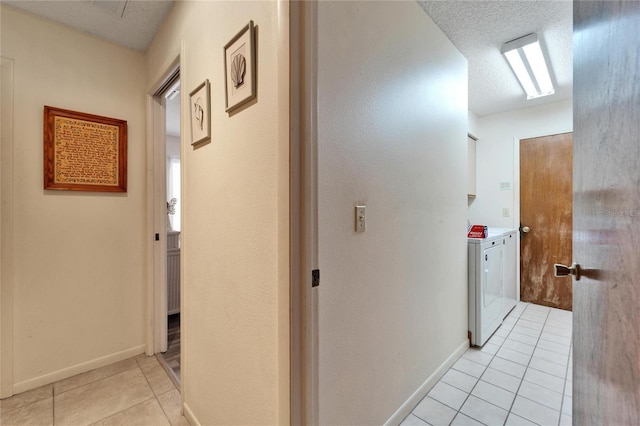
(505, 212)
(361, 218)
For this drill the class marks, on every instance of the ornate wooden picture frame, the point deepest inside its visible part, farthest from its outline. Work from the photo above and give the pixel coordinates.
(84, 152)
(240, 68)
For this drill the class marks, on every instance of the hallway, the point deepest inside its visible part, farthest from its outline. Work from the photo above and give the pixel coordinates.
(521, 376)
(136, 391)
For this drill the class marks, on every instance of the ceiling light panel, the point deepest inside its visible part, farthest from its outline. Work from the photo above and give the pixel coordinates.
(527, 61)
(539, 67)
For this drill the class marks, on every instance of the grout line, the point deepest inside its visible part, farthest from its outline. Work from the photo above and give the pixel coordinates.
(517, 317)
(132, 406)
(525, 371)
(20, 407)
(162, 408)
(95, 380)
(564, 380)
(147, 380)
(53, 394)
(486, 367)
(527, 367)
(454, 386)
(123, 410)
(565, 386)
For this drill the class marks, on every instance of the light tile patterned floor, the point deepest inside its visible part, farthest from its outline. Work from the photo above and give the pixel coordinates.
(521, 376)
(136, 391)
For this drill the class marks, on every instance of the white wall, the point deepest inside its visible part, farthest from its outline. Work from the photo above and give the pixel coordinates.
(79, 258)
(392, 124)
(235, 243)
(173, 184)
(473, 124)
(173, 146)
(495, 157)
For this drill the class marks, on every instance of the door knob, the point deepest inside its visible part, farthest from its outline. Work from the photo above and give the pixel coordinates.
(562, 271)
(526, 229)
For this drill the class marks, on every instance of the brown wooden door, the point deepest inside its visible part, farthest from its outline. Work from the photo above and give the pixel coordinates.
(546, 209)
(606, 318)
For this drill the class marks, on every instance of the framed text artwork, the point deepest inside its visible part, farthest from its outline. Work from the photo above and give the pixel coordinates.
(200, 105)
(84, 152)
(240, 68)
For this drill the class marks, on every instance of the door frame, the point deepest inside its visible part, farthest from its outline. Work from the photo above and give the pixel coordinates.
(303, 213)
(516, 206)
(6, 229)
(156, 295)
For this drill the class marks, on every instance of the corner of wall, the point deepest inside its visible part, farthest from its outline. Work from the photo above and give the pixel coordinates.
(474, 128)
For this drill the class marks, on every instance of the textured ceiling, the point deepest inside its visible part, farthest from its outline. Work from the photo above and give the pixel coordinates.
(479, 28)
(130, 23)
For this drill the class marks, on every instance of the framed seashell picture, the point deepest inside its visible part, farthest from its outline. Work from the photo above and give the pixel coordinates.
(240, 68)
(200, 106)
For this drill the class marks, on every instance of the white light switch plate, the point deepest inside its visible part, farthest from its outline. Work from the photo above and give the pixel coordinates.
(505, 186)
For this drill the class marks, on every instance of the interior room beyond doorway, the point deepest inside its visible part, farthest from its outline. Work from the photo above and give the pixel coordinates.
(171, 357)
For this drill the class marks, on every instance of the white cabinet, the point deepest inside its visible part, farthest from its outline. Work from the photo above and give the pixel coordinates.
(491, 286)
(471, 174)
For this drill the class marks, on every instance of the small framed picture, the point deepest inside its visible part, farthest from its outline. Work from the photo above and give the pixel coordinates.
(200, 103)
(240, 68)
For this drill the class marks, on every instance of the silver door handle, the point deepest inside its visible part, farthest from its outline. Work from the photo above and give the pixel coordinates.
(562, 271)
(526, 229)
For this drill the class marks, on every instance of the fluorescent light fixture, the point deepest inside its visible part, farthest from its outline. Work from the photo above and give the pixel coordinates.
(527, 62)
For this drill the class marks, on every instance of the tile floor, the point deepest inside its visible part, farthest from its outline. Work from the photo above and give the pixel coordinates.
(521, 376)
(136, 391)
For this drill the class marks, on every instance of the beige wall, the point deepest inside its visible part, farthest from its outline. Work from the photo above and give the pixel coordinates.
(392, 135)
(235, 234)
(497, 162)
(79, 258)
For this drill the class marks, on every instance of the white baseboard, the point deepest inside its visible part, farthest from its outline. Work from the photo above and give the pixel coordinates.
(422, 391)
(65, 373)
(188, 414)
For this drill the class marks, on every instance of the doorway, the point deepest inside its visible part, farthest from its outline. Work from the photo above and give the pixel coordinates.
(546, 216)
(165, 202)
(171, 357)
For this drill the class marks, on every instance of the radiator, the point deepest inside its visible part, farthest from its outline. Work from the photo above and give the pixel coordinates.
(173, 272)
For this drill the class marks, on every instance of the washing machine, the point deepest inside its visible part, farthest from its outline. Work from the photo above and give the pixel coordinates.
(491, 282)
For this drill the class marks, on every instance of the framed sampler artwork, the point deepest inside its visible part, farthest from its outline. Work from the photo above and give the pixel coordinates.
(84, 152)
